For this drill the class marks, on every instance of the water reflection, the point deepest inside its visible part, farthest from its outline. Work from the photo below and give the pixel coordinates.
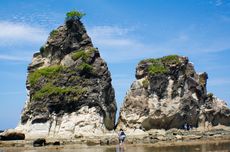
(120, 148)
(217, 147)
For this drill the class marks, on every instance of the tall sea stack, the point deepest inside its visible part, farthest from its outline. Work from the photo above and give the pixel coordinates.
(69, 88)
(168, 93)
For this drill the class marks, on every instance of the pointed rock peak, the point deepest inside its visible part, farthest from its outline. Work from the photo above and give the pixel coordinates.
(69, 87)
(67, 38)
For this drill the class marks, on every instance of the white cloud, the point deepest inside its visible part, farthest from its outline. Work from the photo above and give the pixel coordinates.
(14, 58)
(14, 33)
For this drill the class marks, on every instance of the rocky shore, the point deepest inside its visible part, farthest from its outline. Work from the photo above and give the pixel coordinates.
(154, 137)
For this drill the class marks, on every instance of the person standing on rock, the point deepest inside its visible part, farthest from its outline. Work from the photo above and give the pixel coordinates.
(121, 136)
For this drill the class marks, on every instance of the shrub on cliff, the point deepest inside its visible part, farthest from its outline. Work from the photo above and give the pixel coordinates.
(76, 15)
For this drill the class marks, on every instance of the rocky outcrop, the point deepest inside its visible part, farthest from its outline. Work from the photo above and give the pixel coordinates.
(168, 93)
(11, 135)
(69, 88)
(39, 142)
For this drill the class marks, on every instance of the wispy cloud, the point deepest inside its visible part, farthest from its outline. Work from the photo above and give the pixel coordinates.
(111, 36)
(107, 31)
(122, 80)
(219, 82)
(12, 93)
(218, 2)
(116, 43)
(119, 44)
(12, 33)
(225, 18)
(14, 58)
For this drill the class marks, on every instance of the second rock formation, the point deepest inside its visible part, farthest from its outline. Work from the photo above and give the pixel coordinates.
(168, 93)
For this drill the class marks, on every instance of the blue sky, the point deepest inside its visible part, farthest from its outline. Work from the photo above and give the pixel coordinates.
(125, 33)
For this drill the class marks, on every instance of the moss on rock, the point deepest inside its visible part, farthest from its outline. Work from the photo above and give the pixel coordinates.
(160, 65)
(85, 68)
(170, 59)
(47, 72)
(157, 69)
(54, 33)
(83, 54)
(49, 89)
(145, 83)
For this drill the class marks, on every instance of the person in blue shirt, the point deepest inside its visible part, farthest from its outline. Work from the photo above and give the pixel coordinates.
(121, 136)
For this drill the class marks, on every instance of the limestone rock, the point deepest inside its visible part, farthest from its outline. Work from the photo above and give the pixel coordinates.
(169, 93)
(69, 88)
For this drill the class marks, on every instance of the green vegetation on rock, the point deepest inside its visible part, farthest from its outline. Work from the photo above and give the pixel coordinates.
(159, 66)
(171, 59)
(210, 95)
(83, 54)
(145, 83)
(42, 49)
(47, 72)
(74, 15)
(53, 33)
(49, 89)
(79, 54)
(157, 69)
(167, 60)
(85, 68)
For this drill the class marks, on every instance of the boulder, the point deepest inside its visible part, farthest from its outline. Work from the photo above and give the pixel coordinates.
(12, 135)
(57, 143)
(39, 142)
(69, 88)
(169, 93)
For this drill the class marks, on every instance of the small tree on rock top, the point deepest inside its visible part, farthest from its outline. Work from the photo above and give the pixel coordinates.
(74, 15)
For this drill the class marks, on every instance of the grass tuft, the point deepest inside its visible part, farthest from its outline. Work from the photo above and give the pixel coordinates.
(49, 89)
(47, 72)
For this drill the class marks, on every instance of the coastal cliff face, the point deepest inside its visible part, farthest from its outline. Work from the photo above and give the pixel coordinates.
(168, 93)
(69, 88)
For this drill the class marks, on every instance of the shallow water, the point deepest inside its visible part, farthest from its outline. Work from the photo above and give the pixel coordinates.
(217, 147)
